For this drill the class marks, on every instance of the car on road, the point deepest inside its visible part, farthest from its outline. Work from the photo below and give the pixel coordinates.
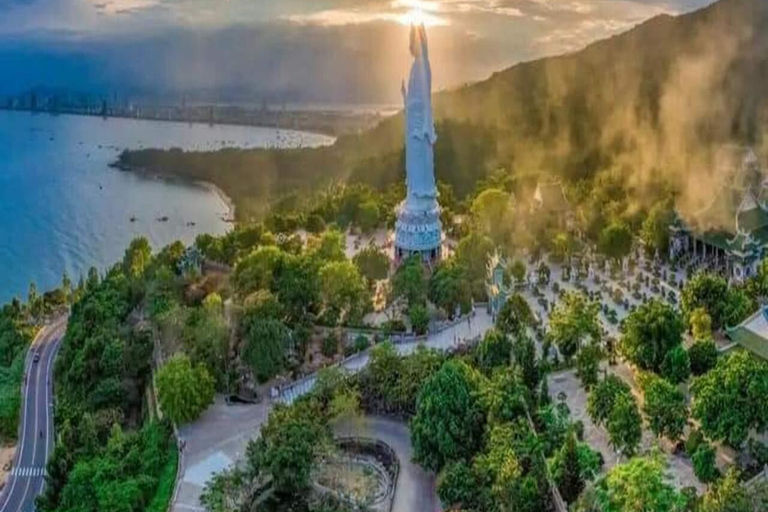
(36, 357)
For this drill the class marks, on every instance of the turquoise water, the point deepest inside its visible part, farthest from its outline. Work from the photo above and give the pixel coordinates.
(63, 208)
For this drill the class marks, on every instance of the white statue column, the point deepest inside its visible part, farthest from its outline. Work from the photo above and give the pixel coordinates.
(418, 228)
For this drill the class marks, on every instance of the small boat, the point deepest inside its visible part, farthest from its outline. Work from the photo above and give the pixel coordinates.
(164, 218)
(133, 219)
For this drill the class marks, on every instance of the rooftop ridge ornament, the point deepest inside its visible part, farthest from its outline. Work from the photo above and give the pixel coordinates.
(418, 229)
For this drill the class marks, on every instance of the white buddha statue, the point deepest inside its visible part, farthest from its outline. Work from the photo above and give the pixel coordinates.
(420, 133)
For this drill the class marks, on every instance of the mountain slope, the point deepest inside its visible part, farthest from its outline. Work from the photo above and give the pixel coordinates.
(655, 104)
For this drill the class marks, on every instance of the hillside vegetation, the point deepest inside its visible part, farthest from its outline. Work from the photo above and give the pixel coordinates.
(653, 105)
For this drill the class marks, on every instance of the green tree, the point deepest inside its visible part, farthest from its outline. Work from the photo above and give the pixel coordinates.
(329, 247)
(501, 465)
(419, 317)
(184, 391)
(492, 214)
(343, 291)
(676, 366)
(517, 271)
(66, 287)
(137, 257)
(449, 421)
(257, 270)
(458, 486)
(298, 287)
(727, 495)
(290, 442)
(726, 305)
(625, 425)
(638, 486)
(372, 263)
(472, 254)
(588, 365)
(524, 355)
(569, 480)
(409, 282)
(515, 316)
(704, 463)
(732, 398)
(615, 241)
(703, 356)
(665, 408)
(206, 338)
(449, 288)
(267, 342)
(505, 397)
(574, 320)
(603, 397)
(380, 379)
(701, 324)
(650, 332)
(416, 369)
(315, 224)
(562, 247)
(369, 216)
(493, 351)
(655, 229)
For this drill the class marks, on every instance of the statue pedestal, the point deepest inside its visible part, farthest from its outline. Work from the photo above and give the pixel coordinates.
(418, 231)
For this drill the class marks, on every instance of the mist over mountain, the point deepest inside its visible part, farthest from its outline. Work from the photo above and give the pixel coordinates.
(660, 100)
(650, 109)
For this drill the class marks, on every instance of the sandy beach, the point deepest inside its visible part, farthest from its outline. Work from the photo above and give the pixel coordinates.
(230, 216)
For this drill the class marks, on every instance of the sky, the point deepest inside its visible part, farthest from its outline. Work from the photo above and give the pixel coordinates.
(317, 50)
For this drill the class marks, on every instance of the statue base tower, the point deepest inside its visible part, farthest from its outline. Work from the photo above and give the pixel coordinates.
(418, 231)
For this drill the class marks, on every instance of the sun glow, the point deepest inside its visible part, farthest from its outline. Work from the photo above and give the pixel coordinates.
(419, 12)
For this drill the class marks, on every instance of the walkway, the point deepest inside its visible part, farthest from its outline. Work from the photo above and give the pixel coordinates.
(449, 338)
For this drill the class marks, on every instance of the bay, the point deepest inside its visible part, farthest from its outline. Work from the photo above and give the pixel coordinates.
(62, 208)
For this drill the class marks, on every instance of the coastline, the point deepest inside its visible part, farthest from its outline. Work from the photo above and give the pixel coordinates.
(228, 217)
(318, 128)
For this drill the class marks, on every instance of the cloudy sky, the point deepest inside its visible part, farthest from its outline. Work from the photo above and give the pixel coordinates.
(209, 44)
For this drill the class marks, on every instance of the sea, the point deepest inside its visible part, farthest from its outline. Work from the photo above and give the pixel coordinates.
(64, 209)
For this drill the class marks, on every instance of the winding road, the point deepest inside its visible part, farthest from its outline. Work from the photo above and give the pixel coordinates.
(36, 436)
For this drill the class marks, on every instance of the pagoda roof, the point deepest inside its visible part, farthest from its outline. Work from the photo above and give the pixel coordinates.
(752, 334)
(738, 214)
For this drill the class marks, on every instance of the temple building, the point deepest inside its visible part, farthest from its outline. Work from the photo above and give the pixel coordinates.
(752, 334)
(418, 230)
(730, 235)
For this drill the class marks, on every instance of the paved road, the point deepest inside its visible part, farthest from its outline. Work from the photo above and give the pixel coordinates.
(416, 488)
(36, 436)
(446, 339)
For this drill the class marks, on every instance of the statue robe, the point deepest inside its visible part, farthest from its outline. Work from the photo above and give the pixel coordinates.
(420, 133)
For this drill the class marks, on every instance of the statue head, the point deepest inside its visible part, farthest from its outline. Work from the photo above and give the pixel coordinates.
(418, 39)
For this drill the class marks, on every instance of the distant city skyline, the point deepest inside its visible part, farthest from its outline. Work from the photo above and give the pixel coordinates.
(275, 48)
